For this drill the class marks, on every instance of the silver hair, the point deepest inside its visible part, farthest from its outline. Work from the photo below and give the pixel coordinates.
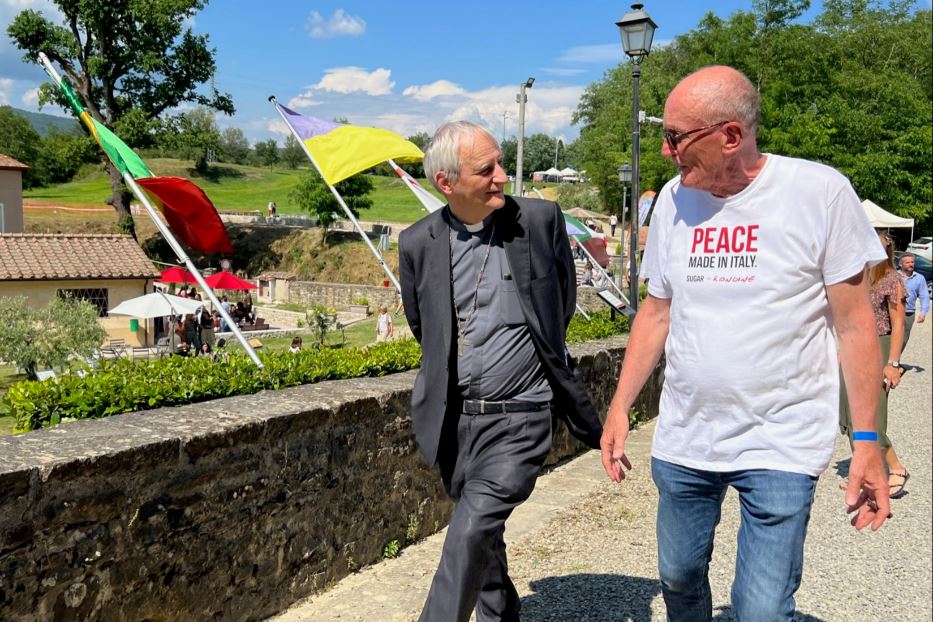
(443, 152)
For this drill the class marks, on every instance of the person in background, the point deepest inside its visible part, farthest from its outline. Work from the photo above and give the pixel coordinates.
(613, 223)
(296, 345)
(384, 328)
(887, 302)
(746, 288)
(182, 349)
(916, 287)
(207, 352)
(587, 277)
(221, 353)
(206, 327)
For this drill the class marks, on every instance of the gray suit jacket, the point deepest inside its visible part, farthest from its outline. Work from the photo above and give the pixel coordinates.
(534, 237)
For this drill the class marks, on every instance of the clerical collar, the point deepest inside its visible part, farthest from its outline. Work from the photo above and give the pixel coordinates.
(474, 228)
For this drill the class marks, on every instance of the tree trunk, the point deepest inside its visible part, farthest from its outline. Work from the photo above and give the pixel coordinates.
(120, 199)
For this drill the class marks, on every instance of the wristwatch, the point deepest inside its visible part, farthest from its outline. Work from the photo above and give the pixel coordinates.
(895, 364)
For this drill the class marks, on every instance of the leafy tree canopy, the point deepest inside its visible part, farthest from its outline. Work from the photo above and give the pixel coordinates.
(135, 58)
(48, 336)
(313, 196)
(853, 89)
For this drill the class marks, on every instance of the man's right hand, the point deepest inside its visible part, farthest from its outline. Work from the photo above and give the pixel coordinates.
(612, 444)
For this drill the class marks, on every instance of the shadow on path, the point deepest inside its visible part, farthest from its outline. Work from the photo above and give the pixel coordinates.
(602, 598)
(590, 598)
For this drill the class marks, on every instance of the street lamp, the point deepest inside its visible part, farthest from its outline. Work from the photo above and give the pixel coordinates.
(521, 98)
(637, 31)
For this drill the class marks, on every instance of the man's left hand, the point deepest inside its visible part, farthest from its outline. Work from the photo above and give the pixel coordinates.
(920, 318)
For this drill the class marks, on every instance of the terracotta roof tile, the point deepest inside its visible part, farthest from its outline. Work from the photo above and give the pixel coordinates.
(7, 163)
(58, 256)
(269, 276)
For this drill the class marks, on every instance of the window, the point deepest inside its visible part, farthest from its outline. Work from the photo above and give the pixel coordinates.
(97, 296)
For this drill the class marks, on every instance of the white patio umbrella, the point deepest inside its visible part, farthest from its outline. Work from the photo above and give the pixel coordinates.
(157, 304)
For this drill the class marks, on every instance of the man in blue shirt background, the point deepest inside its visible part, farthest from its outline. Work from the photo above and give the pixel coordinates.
(916, 287)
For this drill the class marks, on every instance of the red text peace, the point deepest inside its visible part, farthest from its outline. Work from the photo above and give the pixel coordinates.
(738, 239)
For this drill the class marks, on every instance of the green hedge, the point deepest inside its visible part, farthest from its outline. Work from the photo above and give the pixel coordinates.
(121, 385)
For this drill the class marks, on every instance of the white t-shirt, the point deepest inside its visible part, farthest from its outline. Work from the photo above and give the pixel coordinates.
(752, 380)
(383, 321)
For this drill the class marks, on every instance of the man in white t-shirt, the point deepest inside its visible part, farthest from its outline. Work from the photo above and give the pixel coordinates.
(752, 261)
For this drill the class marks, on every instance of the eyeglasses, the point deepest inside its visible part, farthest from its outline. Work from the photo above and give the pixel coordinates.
(673, 138)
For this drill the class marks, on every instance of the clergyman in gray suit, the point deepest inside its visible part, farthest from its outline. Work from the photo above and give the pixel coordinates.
(488, 286)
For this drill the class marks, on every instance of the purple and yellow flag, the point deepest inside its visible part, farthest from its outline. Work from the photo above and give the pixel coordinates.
(342, 151)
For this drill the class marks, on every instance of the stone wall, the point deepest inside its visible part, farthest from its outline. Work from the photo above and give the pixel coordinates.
(230, 509)
(340, 295)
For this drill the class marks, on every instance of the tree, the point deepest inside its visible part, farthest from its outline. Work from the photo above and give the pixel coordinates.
(130, 55)
(61, 154)
(267, 152)
(292, 153)
(313, 196)
(234, 147)
(538, 153)
(48, 337)
(852, 89)
(20, 141)
(192, 136)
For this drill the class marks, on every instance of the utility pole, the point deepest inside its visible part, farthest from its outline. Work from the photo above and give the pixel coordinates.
(521, 98)
(505, 115)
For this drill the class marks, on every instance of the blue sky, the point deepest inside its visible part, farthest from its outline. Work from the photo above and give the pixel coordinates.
(403, 66)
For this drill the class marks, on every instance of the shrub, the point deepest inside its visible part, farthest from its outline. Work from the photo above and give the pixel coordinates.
(121, 385)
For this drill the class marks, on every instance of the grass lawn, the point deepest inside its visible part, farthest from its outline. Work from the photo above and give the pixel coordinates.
(233, 187)
(358, 335)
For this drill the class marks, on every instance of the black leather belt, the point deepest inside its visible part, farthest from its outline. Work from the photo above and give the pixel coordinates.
(484, 407)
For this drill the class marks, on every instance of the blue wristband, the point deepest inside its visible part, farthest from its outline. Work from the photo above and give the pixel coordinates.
(871, 437)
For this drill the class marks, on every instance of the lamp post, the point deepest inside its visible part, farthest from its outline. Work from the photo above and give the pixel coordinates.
(521, 98)
(505, 115)
(637, 31)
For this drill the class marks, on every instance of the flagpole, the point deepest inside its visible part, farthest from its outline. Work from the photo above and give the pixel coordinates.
(167, 234)
(349, 214)
(182, 256)
(602, 271)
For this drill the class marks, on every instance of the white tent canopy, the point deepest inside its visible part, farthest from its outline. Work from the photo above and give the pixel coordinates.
(881, 219)
(568, 172)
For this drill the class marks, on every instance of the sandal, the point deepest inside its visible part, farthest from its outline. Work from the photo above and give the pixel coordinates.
(897, 490)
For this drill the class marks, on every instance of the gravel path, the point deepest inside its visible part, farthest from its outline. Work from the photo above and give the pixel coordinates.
(583, 549)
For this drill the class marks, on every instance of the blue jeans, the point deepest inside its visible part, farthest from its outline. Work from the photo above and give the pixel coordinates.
(775, 509)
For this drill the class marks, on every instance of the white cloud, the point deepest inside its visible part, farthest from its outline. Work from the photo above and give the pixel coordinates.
(302, 101)
(5, 85)
(356, 79)
(339, 25)
(563, 72)
(605, 53)
(30, 98)
(277, 126)
(435, 89)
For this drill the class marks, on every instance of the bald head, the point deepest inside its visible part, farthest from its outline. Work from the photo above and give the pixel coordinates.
(718, 93)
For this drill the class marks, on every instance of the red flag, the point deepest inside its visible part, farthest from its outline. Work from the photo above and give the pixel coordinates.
(190, 214)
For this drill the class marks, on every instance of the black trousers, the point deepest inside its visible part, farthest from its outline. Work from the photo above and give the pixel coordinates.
(488, 471)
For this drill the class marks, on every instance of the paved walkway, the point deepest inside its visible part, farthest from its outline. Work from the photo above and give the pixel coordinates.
(583, 549)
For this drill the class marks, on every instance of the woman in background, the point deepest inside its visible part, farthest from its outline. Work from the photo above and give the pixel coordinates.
(887, 302)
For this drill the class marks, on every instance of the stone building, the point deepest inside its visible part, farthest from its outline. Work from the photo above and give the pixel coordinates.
(104, 269)
(11, 194)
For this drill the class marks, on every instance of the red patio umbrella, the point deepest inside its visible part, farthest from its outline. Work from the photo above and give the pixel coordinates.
(227, 281)
(175, 274)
